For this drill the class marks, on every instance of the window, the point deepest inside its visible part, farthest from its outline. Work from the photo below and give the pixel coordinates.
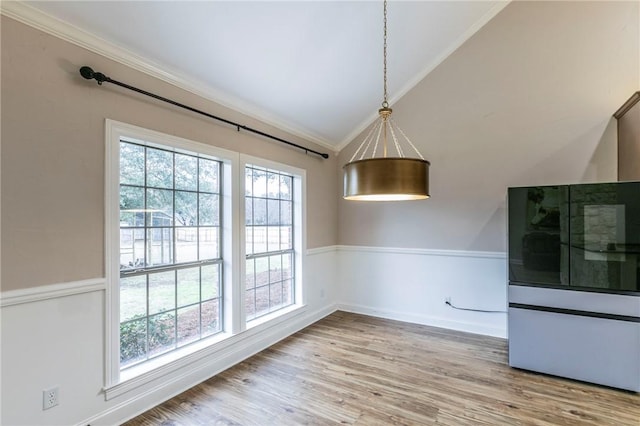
(189, 267)
(269, 241)
(170, 257)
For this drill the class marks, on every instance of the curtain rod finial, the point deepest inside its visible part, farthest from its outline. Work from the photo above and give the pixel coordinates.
(89, 73)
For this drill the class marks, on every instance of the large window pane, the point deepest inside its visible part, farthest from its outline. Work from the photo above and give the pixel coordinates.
(131, 205)
(273, 238)
(208, 176)
(259, 211)
(133, 341)
(259, 239)
(132, 248)
(250, 304)
(273, 212)
(211, 315)
(286, 238)
(248, 182)
(286, 183)
(133, 297)
(248, 240)
(188, 324)
(250, 276)
(162, 333)
(269, 241)
(259, 183)
(132, 164)
(159, 168)
(188, 286)
(273, 185)
(162, 292)
(159, 207)
(262, 271)
(248, 211)
(186, 208)
(210, 281)
(262, 300)
(208, 243)
(169, 218)
(186, 245)
(209, 206)
(287, 292)
(159, 246)
(286, 216)
(275, 296)
(186, 172)
(287, 268)
(275, 268)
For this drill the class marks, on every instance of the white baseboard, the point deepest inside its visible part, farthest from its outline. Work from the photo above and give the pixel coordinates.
(148, 399)
(468, 327)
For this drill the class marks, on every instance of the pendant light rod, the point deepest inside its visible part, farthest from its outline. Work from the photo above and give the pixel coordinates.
(385, 178)
(385, 103)
(90, 74)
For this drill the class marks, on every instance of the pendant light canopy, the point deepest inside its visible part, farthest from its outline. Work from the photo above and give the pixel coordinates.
(385, 178)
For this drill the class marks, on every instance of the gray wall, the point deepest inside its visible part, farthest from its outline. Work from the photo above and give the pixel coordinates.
(527, 100)
(53, 155)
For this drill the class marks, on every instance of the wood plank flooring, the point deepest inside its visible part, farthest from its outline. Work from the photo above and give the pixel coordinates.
(357, 370)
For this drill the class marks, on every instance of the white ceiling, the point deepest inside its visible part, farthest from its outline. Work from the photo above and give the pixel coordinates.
(313, 68)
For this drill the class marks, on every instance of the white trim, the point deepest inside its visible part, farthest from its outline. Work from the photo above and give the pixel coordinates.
(114, 131)
(430, 67)
(35, 18)
(154, 138)
(247, 344)
(425, 252)
(299, 219)
(51, 291)
(469, 327)
(212, 353)
(321, 250)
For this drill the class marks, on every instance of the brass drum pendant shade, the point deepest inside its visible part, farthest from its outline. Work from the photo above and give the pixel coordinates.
(385, 178)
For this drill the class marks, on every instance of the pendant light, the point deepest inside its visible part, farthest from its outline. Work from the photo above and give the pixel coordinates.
(385, 178)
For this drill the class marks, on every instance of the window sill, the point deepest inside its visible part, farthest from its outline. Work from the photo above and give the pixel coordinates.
(273, 316)
(172, 362)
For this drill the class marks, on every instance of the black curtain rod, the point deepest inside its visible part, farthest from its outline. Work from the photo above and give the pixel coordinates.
(89, 74)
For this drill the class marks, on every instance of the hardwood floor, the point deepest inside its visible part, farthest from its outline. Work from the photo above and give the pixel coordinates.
(358, 370)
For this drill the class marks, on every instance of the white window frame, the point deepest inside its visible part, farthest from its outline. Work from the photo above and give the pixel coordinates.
(299, 233)
(235, 328)
(115, 131)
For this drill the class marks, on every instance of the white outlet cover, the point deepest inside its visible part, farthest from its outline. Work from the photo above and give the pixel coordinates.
(50, 398)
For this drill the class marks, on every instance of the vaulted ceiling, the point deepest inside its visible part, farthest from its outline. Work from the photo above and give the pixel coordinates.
(313, 68)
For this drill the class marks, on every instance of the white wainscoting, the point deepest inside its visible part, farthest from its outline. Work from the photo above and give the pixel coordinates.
(54, 336)
(52, 341)
(412, 285)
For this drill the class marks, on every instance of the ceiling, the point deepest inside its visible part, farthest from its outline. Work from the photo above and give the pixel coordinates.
(313, 68)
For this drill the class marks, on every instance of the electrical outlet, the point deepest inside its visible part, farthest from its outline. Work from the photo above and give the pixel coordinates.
(50, 398)
(322, 293)
(447, 300)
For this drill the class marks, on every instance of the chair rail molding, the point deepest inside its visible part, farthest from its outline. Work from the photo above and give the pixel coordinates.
(51, 291)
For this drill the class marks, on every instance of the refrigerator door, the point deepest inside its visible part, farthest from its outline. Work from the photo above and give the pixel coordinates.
(605, 236)
(538, 235)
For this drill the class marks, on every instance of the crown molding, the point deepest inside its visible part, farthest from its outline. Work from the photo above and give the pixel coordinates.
(491, 13)
(39, 20)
